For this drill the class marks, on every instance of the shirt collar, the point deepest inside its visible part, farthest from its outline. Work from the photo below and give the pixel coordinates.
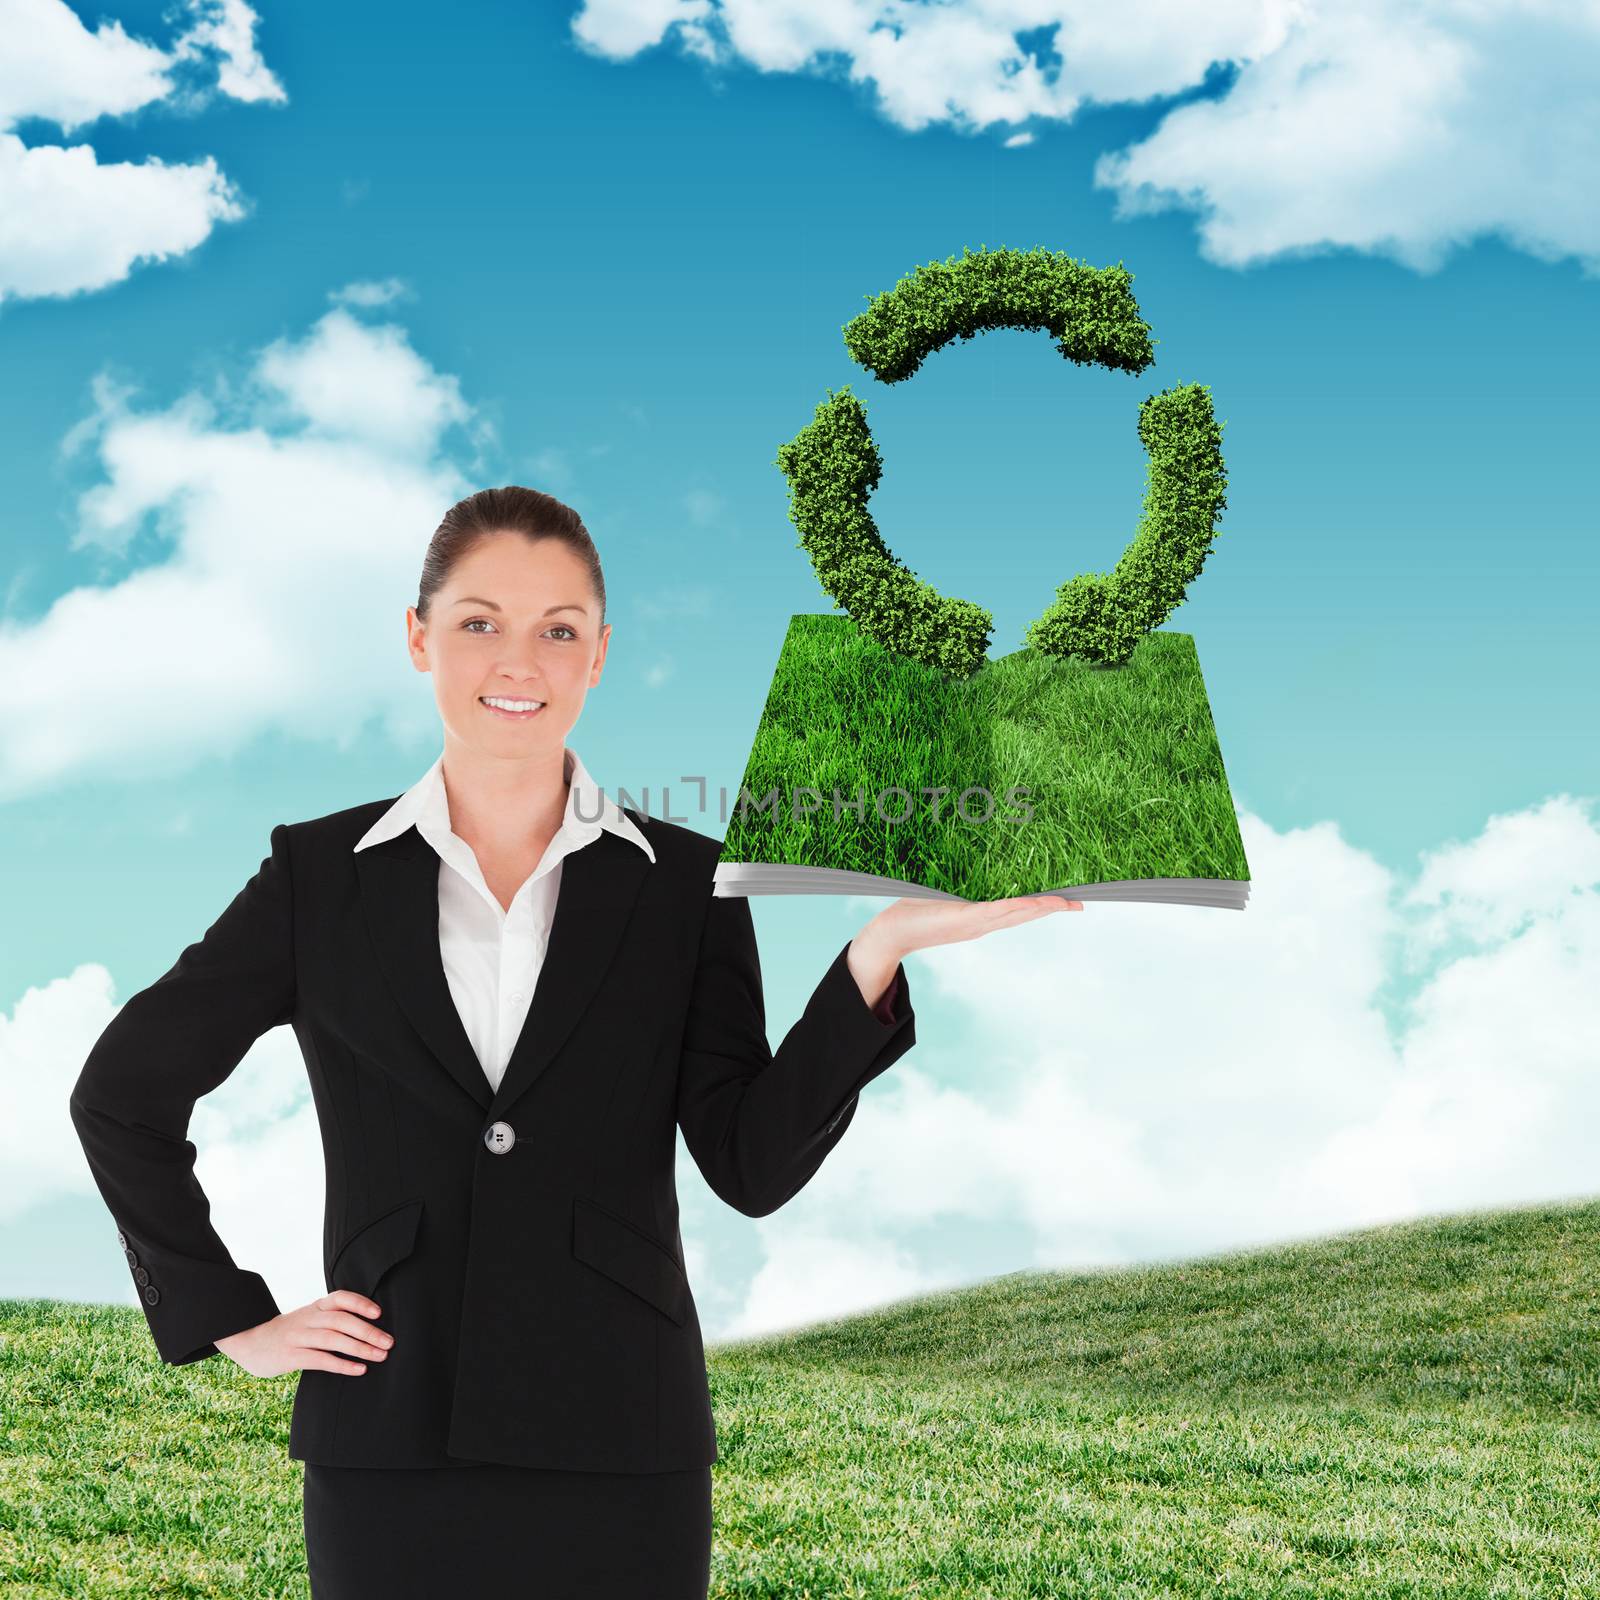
(589, 809)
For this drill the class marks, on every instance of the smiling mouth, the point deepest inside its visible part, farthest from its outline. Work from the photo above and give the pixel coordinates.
(511, 707)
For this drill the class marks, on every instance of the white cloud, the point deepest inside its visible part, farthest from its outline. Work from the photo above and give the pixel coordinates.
(365, 294)
(69, 223)
(1161, 1082)
(1520, 869)
(259, 1150)
(814, 1276)
(43, 1043)
(620, 28)
(52, 66)
(1402, 130)
(294, 509)
(225, 30)
(350, 380)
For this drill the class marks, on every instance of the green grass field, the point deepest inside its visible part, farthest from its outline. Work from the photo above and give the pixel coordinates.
(1125, 775)
(1404, 1411)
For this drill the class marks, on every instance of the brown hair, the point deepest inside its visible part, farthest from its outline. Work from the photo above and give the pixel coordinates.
(526, 511)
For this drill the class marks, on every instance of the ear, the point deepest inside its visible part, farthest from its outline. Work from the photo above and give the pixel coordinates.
(417, 640)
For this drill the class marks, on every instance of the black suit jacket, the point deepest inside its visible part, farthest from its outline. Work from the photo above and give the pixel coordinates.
(535, 1286)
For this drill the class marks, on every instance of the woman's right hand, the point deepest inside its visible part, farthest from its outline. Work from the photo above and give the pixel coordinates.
(309, 1336)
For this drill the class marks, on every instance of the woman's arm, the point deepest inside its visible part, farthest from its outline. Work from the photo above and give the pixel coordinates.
(760, 1124)
(170, 1044)
(876, 968)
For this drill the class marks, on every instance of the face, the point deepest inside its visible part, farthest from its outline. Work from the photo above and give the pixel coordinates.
(515, 620)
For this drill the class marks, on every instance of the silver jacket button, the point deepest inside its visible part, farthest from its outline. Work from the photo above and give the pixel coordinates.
(499, 1136)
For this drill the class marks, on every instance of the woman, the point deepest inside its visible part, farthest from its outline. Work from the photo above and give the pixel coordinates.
(509, 992)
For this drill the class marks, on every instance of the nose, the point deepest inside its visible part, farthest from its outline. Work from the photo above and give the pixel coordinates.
(525, 677)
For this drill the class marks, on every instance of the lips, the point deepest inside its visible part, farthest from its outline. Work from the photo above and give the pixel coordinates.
(509, 716)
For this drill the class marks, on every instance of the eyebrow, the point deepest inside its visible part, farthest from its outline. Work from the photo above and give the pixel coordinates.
(549, 611)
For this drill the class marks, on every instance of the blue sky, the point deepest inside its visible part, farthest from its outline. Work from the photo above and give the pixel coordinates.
(278, 285)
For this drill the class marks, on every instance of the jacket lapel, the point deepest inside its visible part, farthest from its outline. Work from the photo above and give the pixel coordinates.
(399, 882)
(600, 884)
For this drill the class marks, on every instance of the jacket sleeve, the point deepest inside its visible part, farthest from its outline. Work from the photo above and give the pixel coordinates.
(888, 1006)
(760, 1124)
(167, 1046)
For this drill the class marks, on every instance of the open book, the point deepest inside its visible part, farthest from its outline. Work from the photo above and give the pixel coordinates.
(871, 774)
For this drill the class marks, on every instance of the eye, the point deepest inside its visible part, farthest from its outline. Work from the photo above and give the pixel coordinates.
(562, 627)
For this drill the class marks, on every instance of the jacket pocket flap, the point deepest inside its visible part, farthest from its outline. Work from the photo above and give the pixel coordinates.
(375, 1247)
(632, 1257)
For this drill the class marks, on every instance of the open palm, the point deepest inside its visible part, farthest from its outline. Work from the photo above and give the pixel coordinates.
(912, 924)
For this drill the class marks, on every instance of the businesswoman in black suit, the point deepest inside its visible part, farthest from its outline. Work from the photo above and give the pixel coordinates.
(507, 1002)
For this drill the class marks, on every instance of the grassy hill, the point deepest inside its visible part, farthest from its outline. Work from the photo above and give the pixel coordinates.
(1404, 1411)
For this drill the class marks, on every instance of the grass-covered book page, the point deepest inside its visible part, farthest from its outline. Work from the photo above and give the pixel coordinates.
(874, 774)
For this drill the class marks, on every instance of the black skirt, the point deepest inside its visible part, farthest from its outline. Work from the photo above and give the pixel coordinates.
(422, 1533)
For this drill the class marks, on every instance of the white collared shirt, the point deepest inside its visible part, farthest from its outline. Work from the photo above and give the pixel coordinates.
(492, 956)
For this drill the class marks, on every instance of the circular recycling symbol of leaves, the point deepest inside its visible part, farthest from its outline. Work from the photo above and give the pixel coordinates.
(833, 466)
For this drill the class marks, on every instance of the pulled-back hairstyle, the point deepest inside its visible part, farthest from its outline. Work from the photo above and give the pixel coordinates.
(525, 511)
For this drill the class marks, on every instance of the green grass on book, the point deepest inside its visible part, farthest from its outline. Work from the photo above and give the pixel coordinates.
(1120, 785)
(1403, 1411)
